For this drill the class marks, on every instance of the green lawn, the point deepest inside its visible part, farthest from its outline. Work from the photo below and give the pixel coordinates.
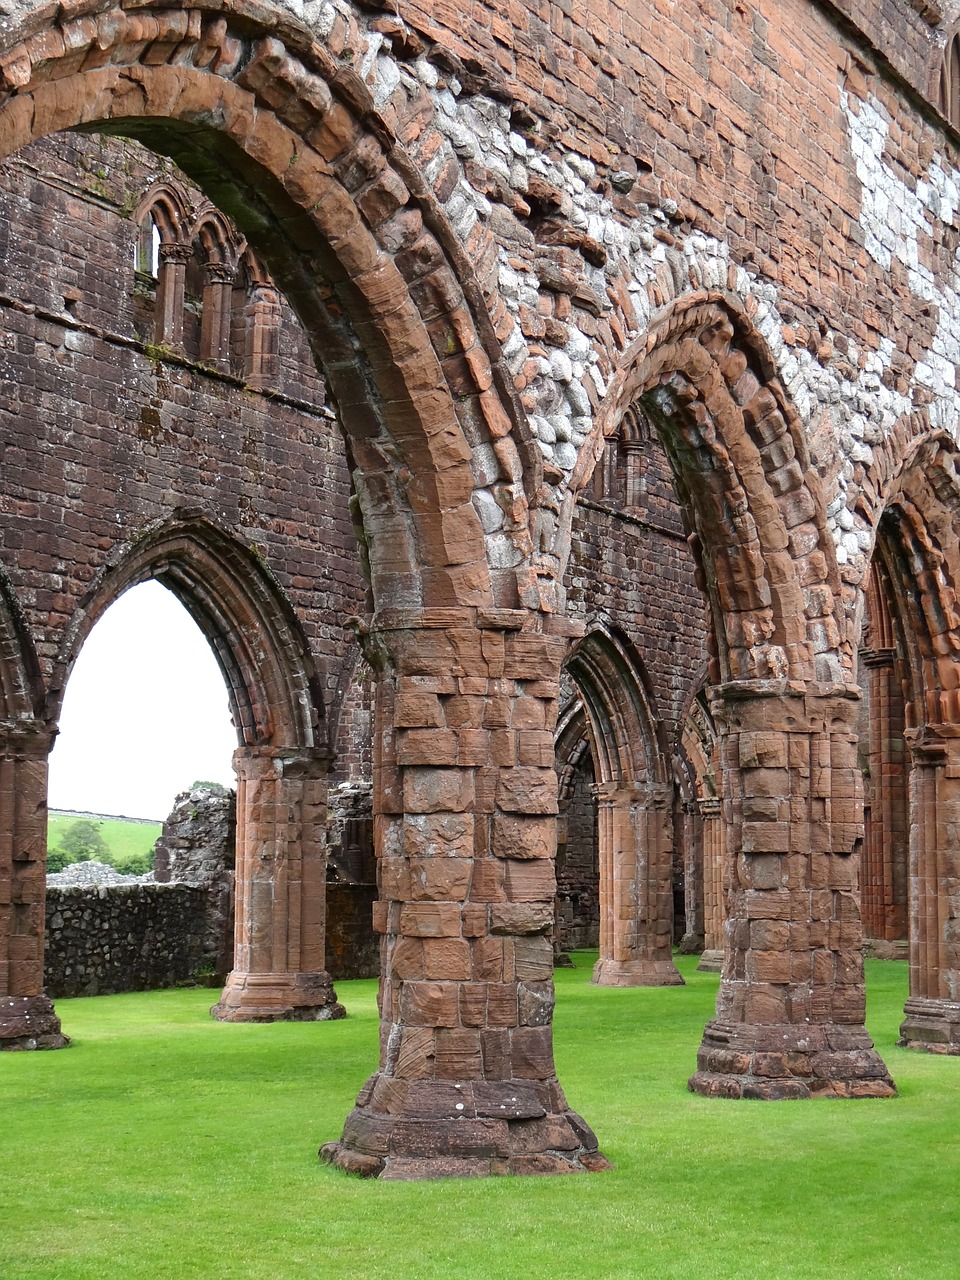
(122, 838)
(163, 1144)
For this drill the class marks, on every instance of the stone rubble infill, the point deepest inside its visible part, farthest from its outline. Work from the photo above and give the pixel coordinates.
(93, 874)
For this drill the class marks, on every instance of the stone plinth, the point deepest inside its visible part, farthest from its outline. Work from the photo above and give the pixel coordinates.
(791, 1003)
(737, 1060)
(932, 1026)
(278, 997)
(29, 1022)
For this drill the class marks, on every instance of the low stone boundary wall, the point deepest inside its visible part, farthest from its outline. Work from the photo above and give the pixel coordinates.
(132, 937)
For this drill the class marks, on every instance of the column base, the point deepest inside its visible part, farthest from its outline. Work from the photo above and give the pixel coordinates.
(881, 949)
(931, 1026)
(691, 944)
(711, 962)
(786, 1061)
(278, 997)
(414, 1130)
(636, 973)
(29, 1022)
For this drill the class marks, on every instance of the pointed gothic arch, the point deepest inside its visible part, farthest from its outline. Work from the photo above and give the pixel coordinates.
(286, 138)
(634, 813)
(782, 695)
(917, 563)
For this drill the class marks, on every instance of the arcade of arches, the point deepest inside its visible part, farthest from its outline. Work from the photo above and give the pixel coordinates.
(549, 413)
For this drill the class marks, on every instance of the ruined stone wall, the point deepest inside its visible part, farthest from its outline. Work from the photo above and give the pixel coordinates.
(353, 949)
(132, 937)
(631, 568)
(115, 434)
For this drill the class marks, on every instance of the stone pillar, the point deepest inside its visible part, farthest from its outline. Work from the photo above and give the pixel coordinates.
(216, 315)
(635, 835)
(790, 1009)
(691, 824)
(27, 1017)
(714, 909)
(261, 353)
(932, 1012)
(279, 972)
(171, 278)
(465, 807)
(883, 887)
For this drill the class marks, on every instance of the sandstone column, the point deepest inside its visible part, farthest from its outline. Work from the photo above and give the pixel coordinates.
(261, 347)
(714, 908)
(790, 1010)
(216, 315)
(691, 824)
(465, 809)
(635, 834)
(932, 1013)
(278, 972)
(883, 888)
(171, 278)
(27, 1018)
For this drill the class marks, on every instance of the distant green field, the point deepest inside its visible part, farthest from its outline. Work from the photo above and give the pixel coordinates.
(123, 839)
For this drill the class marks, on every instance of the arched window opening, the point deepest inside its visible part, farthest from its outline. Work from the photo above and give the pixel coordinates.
(146, 258)
(145, 712)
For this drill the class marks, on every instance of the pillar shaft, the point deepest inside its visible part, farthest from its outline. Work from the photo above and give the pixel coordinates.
(714, 908)
(635, 834)
(278, 971)
(790, 1009)
(691, 828)
(932, 1012)
(261, 353)
(216, 316)
(171, 279)
(885, 846)
(27, 1018)
(465, 814)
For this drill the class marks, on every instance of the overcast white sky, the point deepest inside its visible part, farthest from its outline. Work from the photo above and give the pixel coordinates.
(145, 712)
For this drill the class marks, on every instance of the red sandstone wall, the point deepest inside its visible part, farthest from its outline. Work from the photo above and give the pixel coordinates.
(100, 440)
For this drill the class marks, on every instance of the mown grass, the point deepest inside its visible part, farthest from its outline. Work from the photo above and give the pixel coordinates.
(163, 1144)
(122, 838)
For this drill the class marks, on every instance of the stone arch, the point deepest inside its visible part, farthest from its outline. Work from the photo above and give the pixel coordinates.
(251, 627)
(281, 762)
(884, 870)
(782, 697)
(743, 473)
(164, 205)
(634, 813)
(947, 91)
(917, 555)
(290, 144)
